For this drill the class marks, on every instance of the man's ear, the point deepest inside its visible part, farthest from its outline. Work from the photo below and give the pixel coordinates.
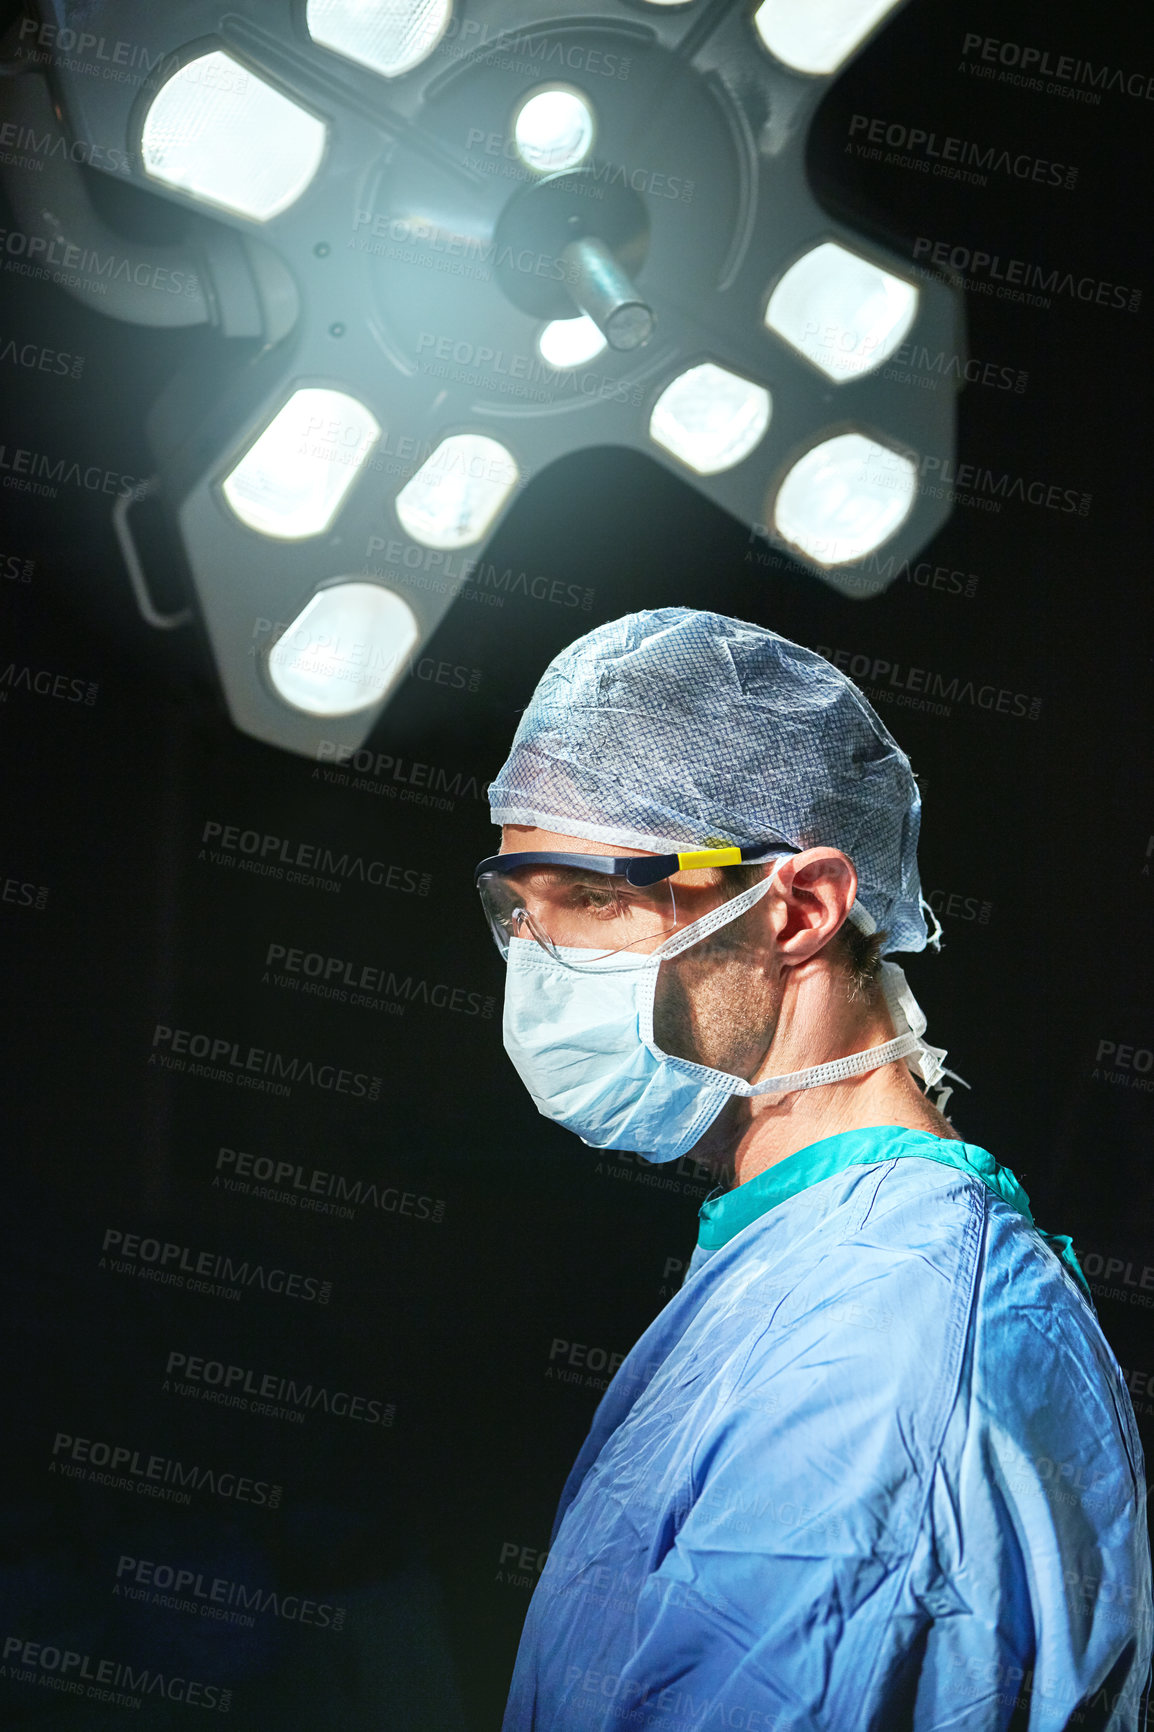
(816, 889)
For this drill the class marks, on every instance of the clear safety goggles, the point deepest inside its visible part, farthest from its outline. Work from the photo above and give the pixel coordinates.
(584, 908)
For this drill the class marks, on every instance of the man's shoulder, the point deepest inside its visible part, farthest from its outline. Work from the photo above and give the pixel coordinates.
(929, 1283)
(926, 1239)
(921, 1201)
(885, 1253)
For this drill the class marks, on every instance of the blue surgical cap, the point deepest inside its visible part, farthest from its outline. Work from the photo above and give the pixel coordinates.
(674, 729)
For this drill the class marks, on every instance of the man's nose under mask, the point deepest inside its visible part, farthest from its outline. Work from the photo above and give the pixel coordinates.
(583, 1045)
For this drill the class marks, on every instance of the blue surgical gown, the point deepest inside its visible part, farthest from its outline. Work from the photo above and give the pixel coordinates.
(873, 1468)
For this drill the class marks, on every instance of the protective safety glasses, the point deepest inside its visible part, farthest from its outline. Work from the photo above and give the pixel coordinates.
(602, 905)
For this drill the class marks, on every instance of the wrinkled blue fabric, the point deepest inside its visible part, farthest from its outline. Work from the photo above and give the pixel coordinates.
(873, 1468)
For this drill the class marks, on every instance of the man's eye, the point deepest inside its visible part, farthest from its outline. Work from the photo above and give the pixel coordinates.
(594, 899)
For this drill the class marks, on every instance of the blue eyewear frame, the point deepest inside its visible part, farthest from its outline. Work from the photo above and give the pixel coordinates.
(639, 870)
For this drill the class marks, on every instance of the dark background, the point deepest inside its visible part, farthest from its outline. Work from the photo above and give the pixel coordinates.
(1036, 843)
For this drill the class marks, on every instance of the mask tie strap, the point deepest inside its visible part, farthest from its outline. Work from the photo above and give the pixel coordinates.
(928, 1061)
(836, 1069)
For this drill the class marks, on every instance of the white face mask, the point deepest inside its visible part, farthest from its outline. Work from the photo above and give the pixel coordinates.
(583, 1045)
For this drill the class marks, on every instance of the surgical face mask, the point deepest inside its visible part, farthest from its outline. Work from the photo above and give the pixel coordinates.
(583, 1045)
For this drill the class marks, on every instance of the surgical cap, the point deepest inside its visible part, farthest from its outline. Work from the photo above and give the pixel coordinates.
(673, 729)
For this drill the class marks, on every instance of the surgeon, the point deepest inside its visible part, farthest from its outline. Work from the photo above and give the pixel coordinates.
(875, 1466)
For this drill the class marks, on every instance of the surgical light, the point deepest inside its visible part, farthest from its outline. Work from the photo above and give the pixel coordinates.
(570, 342)
(841, 312)
(390, 37)
(344, 650)
(422, 222)
(710, 418)
(816, 36)
(457, 492)
(216, 131)
(844, 498)
(292, 481)
(553, 129)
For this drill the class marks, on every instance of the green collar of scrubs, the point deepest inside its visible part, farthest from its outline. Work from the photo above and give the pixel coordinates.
(725, 1213)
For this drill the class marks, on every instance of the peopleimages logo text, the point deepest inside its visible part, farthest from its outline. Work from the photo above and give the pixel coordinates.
(411, 774)
(35, 472)
(91, 264)
(158, 1475)
(115, 1681)
(268, 853)
(1039, 63)
(1024, 279)
(268, 1393)
(937, 691)
(136, 1250)
(311, 1189)
(114, 51)
(365, 983)
(218, 1597)
(928, 148)
(229, 1060)
(47, 684)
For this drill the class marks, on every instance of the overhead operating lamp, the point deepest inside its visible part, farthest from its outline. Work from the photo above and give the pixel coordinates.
(464, 238)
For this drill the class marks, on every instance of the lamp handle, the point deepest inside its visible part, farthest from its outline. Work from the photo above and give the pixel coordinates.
(149, 612)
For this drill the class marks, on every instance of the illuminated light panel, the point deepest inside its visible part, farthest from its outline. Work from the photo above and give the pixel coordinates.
(553, 129)
(843, 313)
(344, 650)
(817, 35)
(217, 131)
(570, 342)
(844, 498)
(384, 35)
(457, 492)
(710, 418)
(292, 481)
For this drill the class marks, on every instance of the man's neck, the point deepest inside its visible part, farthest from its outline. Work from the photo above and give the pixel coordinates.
(817, 1023)
(786, 1123)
